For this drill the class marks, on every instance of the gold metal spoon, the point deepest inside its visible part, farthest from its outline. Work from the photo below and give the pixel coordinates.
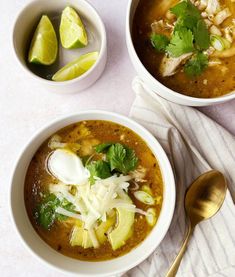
(203, 199)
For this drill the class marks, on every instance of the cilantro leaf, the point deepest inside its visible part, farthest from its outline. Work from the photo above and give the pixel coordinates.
(185, 8)
(99, 169)
(179, 9)
(103, 147)
(159, 42)
(201, 35)
(130, 161)
(190, 32)
(181, 43)
(46, 211)
(122, 158)
(67, 206)
(116, 155)
(189, 17)
(119, 157)
(186, 21)
(46, 214)
(196, 65)
(192, 10)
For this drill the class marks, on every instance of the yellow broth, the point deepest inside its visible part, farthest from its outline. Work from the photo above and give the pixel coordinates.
(37, 181)
(213, 82)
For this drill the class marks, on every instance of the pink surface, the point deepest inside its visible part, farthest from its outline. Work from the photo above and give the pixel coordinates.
(224, 114)
(25, 107)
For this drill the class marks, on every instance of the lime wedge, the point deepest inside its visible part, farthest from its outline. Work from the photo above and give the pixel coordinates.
(76, 68)
(72, 30)
(44, 45)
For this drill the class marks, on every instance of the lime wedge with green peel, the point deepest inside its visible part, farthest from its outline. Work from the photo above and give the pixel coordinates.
(44, 45)
(72, 30)
(76, 68)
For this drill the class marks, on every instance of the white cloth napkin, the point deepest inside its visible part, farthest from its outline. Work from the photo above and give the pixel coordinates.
(194, 144)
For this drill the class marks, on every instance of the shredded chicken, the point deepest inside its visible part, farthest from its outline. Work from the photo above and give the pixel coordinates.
(228, 34)
(170, 15)
(79, 132)
(55, 143)
(213, 6)
(138, 174)
(162, 27)
(204, 14)
(221, 16)
(169, 65)
(214, 62)
(157, 26)
(87, 146)
(164, 6)
(202, 4)
(208, 22)
(215, 30)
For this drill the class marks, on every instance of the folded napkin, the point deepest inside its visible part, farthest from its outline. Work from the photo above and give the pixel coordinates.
(194, 144)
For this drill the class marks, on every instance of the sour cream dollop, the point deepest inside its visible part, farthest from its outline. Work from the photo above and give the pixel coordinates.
(66, 166)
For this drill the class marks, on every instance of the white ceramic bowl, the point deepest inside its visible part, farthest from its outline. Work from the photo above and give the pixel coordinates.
(26, 23)
(72, 266)
(153, 83)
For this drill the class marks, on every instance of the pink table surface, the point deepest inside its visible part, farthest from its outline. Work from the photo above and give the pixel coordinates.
(25, 107)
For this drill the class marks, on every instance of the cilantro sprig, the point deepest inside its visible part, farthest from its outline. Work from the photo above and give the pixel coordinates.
(103, 147)
(181, 43)
(201, 35)
(46, 210)
(185, 9)
(196, 65)
(190, 34)
(159, 42)
(119, 158)
(100, 169)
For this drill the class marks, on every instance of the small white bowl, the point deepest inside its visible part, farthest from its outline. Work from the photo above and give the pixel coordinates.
(153, 83)
(25, 25)
(72, 266)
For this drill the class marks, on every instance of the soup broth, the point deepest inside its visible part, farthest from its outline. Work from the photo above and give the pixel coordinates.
(217, 79)
(82, 138)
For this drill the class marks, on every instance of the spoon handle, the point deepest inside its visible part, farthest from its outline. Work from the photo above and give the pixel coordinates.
(174, 267)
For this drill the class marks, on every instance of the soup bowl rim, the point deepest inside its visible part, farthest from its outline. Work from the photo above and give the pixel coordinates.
(156, 85)
(131, 258)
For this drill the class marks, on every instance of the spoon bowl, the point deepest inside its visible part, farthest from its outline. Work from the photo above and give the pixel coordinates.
(205, 196)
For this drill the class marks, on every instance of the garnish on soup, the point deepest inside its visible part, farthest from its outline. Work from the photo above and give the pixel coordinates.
(190, 35)
(192, 42)
(93, 190)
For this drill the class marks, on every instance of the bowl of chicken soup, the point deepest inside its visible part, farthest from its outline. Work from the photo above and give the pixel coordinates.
(184, 50)
(90, 202)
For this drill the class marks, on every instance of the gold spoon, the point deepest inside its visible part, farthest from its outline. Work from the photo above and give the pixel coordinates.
(203, 199)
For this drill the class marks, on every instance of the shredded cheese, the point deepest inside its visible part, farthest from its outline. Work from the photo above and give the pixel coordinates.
(65, 212)
(93, 202)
